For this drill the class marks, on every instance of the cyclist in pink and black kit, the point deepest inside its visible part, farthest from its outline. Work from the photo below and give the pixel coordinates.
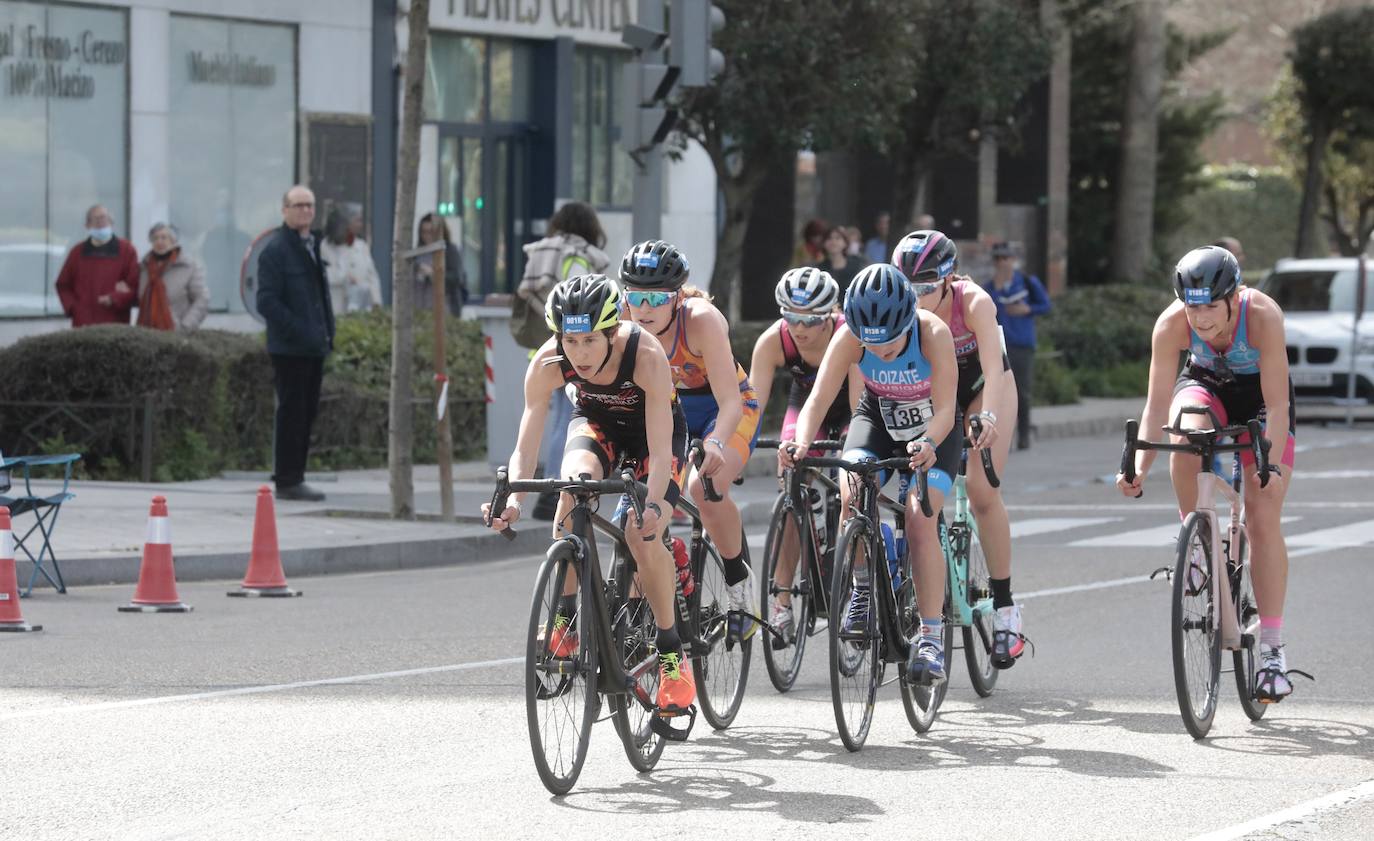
(808, 299)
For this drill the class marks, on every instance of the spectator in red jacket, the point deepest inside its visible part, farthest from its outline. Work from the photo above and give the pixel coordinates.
(99, 282)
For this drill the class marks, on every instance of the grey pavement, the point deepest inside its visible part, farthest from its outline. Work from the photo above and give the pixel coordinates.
(391, 705)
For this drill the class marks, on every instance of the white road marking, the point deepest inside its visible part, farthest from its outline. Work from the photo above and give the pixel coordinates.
(1079, 588)
(1292, 813)
(1335, 474)
(1043, 525)
(257, 690)
(1166, 535)
(1351, 534)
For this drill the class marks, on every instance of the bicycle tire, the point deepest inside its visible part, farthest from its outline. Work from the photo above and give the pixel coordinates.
(922, 703)
(784, 664)
(721, 671)
(634, 629)
(1195, 642)
(561, 700)
(978, 636)
(1246, 660)
(853, 688)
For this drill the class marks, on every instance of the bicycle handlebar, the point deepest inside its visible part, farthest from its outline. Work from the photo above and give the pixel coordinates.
(625, 484)
(868, 468)
(1200, 442)
(708, 487)
(825, 444)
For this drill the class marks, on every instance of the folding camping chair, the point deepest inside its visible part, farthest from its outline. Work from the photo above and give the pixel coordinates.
(44, 509)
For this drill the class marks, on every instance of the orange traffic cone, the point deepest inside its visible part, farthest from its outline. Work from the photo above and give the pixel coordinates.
(157, 578)
(11, 618)
(265, 576)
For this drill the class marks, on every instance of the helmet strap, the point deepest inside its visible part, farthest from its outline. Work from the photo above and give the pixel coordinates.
(610, 346)
(672, 322)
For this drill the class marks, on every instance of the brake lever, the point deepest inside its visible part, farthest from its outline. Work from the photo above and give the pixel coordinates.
(976, 424)
(1128, 453)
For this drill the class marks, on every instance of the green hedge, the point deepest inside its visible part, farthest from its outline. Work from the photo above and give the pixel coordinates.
(214, 398)
(1103, 334)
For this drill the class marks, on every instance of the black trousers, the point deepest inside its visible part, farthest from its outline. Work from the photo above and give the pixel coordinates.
(297, 379)
(1023, 370)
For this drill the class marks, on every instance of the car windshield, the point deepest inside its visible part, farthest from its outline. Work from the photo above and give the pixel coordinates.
(1317, 290)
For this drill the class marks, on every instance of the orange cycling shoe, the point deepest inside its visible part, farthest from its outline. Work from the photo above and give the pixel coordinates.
(563, 640)
(676, 688)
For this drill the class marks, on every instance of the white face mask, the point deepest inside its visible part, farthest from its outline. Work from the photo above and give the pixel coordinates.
(100, 236)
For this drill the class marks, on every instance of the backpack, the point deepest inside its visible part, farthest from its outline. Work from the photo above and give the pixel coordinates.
(549, 261)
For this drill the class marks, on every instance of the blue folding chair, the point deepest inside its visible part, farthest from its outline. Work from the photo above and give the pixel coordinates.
(44, 509)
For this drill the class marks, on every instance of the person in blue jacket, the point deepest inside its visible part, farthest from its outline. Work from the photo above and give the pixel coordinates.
(1020, 298)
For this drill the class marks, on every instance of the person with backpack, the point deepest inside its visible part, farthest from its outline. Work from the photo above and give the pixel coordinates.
(572, 247)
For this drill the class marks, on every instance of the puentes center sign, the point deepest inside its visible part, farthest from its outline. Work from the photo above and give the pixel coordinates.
(586, 21)
(38, 64)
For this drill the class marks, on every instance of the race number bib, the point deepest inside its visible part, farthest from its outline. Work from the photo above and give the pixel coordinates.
(905, 421)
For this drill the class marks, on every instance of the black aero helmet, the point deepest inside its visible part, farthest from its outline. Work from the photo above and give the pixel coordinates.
(1206, 274)
(879, 305)
(583, 304)
(654, 264)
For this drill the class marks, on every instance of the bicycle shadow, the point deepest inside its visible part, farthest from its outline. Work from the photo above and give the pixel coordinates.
(1006, 711)
(1299, 737)
(700, 788)
(949, 745)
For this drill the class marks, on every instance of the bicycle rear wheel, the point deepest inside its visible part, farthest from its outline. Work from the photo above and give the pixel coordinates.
(635, 632)
(855, 668)
(923, 702)
(721, 671)
(561, 700)
(1246, 660)
(1196, 643)
(978, 636)
(784, 664)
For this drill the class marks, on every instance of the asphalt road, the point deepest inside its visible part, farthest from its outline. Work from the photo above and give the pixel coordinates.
(391, 705)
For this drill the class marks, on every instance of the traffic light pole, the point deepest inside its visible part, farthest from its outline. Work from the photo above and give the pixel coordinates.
(647, 206)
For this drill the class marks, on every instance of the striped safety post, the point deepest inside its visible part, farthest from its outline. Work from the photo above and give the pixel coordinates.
(490, 358)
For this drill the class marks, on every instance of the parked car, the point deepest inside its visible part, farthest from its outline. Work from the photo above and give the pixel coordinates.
(24, 272)
(1318, 300)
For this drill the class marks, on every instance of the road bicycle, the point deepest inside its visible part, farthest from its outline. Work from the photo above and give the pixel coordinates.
(1213, 603)
(805, 520)
(613, 653)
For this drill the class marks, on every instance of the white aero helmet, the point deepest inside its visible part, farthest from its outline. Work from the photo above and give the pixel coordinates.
(809, 289)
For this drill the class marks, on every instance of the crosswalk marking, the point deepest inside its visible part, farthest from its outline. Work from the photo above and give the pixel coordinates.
(1351, 534)
(1042, 525)
(1155, 536)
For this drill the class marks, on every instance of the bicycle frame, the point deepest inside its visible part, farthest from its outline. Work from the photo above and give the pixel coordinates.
(796, 483)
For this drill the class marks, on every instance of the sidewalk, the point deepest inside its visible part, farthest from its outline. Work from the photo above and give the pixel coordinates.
(100, 533)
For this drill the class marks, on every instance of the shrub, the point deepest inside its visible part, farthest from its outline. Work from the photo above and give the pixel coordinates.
(1259, 207)
(1054, 383)
(1102, 326)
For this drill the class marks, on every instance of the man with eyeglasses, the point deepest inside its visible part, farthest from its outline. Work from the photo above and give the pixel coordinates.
(293, 298)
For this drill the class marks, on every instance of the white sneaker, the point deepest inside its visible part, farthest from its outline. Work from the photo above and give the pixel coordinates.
(780, 617)
(1007, 641)
(1271, 681)
(742, 602)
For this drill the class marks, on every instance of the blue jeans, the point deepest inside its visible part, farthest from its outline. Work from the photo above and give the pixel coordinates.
(556, 432)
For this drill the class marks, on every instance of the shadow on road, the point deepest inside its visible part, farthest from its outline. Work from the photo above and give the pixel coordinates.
(704, 788)
(1300, 737)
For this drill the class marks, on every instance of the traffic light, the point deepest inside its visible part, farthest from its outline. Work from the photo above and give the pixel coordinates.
(691, 25)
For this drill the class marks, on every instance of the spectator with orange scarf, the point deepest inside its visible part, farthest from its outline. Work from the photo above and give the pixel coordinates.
(171, 286)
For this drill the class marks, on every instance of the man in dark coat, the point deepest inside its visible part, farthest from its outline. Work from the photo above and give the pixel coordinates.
(99, 281)
(293, 298)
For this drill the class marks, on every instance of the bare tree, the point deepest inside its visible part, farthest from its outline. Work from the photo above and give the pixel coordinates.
(401, 434)
(1135, 201)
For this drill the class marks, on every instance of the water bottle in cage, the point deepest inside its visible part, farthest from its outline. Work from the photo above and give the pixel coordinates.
(817, 502)
(894, 554)
(685, 582)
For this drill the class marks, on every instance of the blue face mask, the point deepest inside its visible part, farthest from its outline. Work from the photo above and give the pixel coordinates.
(100, 235)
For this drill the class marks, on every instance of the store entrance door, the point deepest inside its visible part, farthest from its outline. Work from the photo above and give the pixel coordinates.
(484, 190)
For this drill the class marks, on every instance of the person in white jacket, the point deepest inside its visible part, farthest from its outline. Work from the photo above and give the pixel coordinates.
(353, 281)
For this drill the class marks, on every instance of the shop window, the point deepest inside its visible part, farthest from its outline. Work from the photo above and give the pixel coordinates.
(454, 86)
(63, 128)
(231, 137)
(601, 170)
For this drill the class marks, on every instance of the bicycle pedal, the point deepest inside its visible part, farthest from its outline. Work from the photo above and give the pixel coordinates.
(660, 725)
(1168, 573)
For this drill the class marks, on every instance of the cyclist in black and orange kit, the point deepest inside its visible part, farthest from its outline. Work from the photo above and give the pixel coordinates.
(626, 411)
(808, 300)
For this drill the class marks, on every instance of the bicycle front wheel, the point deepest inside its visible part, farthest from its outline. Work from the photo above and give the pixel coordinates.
(783, 657)
(1196, 643)
(561, 700)
(855, 667)
(721, 670)
(1246, 660)
(978, 635)
(635, 632)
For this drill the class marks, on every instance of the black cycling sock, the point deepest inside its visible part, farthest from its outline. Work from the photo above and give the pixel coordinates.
(668, 641)
(736, 568)
(567, 606)
(1001, 592)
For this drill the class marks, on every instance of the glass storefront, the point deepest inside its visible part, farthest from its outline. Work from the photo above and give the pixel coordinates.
(602, 172)
(231, 140)
(64, 94)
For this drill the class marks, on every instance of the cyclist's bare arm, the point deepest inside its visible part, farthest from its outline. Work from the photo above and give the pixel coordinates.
(764, 364)
(1169, 339)
(710, 334)
(842, 354)
(938, 346)
(542, 379)
(981, 315)
(1267, 333)
(856, 388)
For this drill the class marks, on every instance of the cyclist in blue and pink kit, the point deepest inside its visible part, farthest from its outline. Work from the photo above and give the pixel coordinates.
(808, 300)
(905, 357)
(1238, 367)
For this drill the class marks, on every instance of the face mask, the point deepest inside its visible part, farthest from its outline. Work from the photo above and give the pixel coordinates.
(100, 235)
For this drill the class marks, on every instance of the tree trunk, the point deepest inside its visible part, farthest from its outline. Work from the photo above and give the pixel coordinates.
(1133, 237)
(1312, 184)
(727, 287)
(401, 434)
